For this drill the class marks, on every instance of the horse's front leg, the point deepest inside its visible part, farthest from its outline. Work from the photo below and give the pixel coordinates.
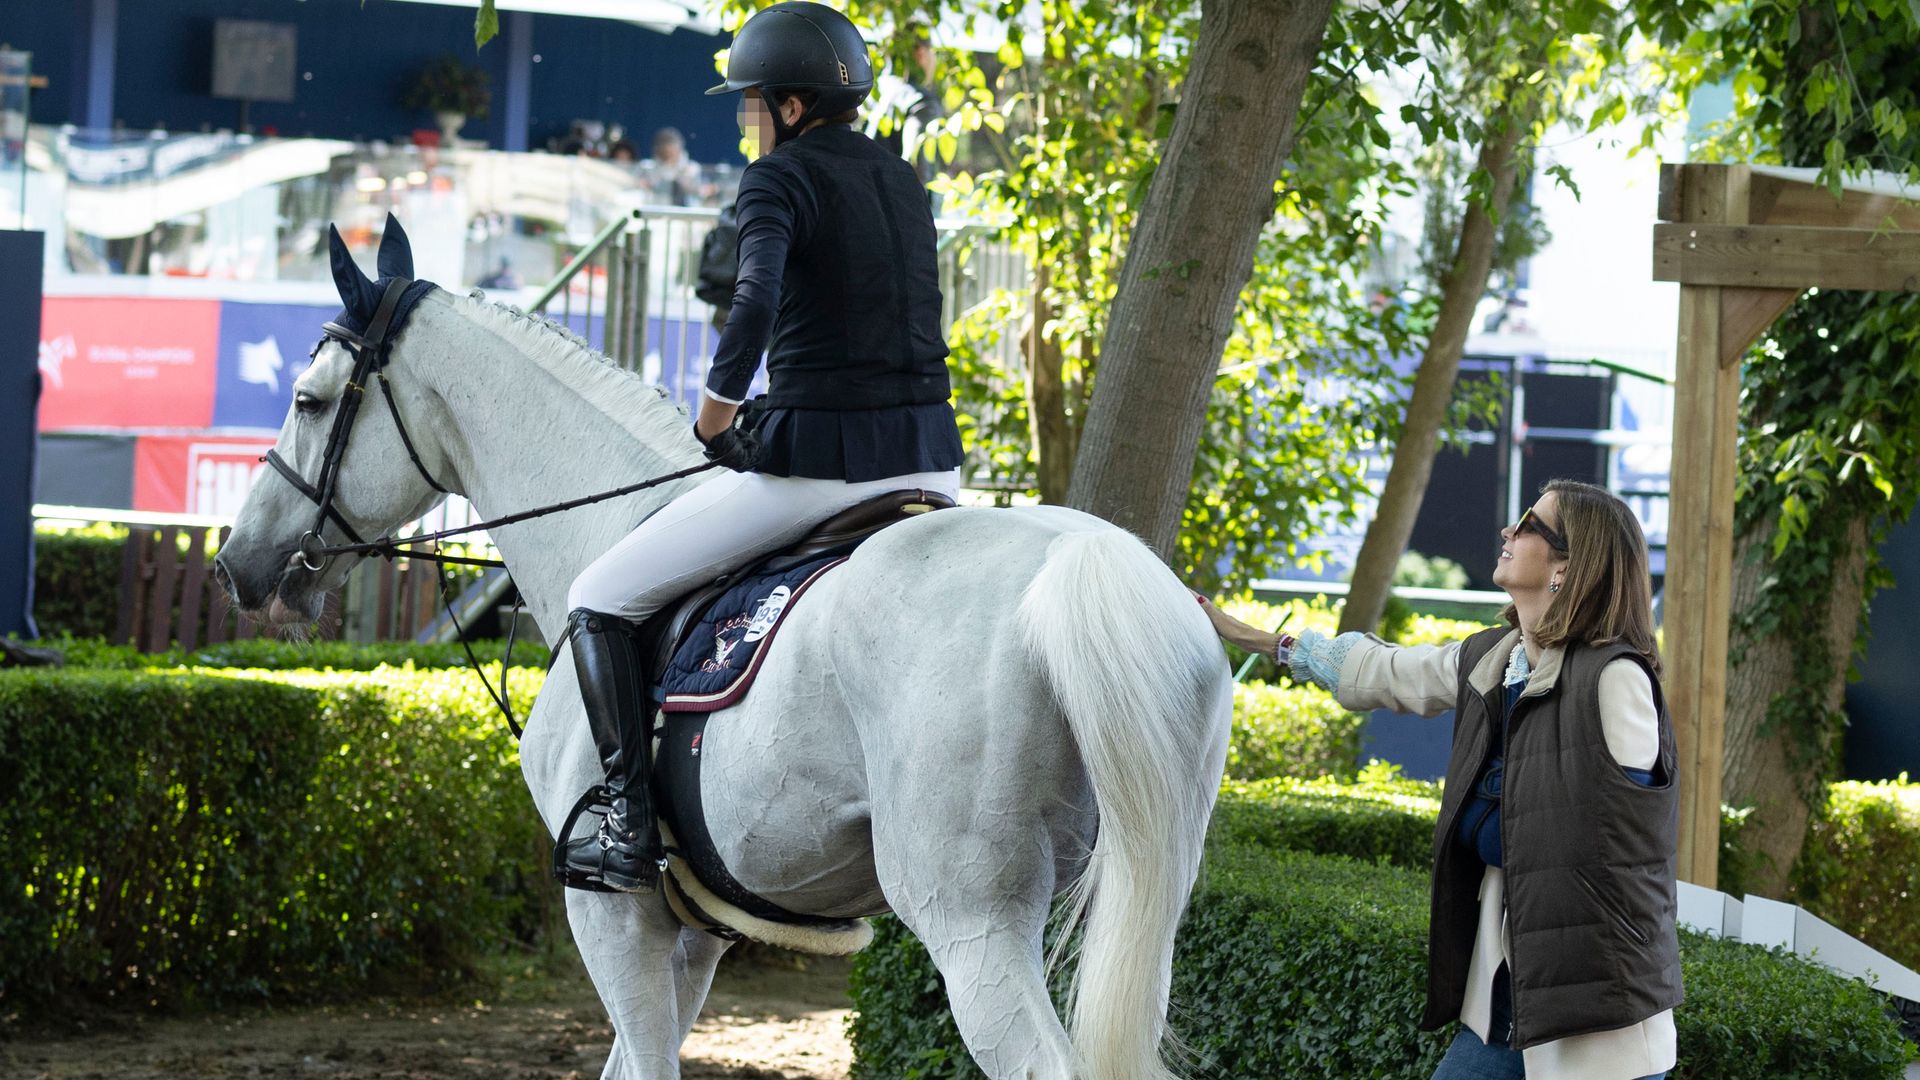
(651, 983)
(632, 949)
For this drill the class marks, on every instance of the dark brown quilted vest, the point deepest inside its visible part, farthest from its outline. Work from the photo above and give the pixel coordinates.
(1589, 860)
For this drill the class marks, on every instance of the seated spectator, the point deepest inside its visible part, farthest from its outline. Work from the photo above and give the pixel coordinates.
(673, 176)
(504, 276)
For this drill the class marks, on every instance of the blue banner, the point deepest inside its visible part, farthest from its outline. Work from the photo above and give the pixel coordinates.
(263, 348)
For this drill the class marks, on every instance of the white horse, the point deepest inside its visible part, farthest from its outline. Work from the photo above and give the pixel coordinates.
(982, 709)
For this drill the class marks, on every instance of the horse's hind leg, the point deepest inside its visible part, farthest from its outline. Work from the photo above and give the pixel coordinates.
(982, 922)
(632, 950)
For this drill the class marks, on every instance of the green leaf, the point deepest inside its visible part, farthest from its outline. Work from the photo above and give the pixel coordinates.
(486, 24)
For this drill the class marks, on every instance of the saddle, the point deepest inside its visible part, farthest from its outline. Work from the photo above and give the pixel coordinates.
(713, 900)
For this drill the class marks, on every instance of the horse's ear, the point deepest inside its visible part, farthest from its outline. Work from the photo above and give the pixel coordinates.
(396, 254)
(357, 294)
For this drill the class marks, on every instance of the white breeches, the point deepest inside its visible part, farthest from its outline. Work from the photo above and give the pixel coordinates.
(721, 526)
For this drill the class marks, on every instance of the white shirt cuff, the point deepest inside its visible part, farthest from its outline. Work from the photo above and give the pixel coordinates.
(708, 390)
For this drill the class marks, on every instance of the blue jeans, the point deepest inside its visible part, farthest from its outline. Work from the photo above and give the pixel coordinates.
(1470, 1059)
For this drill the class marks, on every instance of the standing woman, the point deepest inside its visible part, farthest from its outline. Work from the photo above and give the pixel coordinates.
(1552, 936)
(839, 287)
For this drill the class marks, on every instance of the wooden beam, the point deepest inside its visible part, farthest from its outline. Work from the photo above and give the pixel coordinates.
(1699, 576)
(1745, 314)
(1786, 257)
(1776, 200)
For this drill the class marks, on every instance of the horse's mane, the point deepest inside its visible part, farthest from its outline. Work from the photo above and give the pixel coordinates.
(644, 409)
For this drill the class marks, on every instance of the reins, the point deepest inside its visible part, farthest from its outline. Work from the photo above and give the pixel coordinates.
(369, 351)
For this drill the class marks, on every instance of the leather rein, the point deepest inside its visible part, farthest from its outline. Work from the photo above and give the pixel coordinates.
(370, 351)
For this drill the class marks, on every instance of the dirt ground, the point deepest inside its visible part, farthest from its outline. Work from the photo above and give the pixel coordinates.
(762, 1022)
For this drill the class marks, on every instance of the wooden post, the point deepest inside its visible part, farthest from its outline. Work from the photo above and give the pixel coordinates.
(1742, 246)
(1699, 575)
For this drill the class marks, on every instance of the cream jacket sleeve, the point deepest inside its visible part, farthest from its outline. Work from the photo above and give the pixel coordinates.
(1364, 672)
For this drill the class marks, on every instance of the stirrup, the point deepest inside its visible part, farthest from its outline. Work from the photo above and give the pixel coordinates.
(599, 800)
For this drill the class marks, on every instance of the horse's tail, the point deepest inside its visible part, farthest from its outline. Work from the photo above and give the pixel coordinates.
(1135, 665)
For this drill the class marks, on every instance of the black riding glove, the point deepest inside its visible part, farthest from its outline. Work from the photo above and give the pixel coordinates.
(736, 446)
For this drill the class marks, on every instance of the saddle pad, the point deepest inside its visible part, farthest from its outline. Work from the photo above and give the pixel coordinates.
(714, 666)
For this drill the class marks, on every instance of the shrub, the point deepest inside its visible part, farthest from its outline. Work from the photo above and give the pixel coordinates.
(1754, 1013)
(1390, 821)
(1295, 964)
(1860, 868)
(1291, 964)
(1283, 730)
(76, 579)
(273, 655)
(203, 836)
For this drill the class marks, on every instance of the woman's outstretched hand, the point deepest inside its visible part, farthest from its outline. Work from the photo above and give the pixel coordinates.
(1248, 638)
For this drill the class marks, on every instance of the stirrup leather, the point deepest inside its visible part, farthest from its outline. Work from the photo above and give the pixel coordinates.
(598, 800)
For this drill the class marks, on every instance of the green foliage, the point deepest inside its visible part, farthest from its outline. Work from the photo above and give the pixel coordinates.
(1830, 408)
(181, 837)
(76, 579)
(1291, 731)
(486, 24)
(450, 84)
(1739, 862)
(1755, 1014)
(1296, 964)
(1860, 869)
(1380, 819)
(1419, 571)
(274, 655)
(1290, 964)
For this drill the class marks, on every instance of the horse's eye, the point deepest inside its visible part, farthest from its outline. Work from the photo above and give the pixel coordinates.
(307, 404)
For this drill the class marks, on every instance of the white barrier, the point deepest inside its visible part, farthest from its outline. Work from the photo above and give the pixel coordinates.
(1757, 920)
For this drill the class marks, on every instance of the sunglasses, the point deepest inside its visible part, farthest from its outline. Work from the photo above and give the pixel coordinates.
(1530, 521)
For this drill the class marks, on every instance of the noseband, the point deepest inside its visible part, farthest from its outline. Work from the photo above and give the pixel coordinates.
(369, 351)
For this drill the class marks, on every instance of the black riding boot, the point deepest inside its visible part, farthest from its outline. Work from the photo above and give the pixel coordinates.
(625, 855)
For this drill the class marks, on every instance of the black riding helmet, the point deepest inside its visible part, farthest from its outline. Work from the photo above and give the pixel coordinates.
(800, 45)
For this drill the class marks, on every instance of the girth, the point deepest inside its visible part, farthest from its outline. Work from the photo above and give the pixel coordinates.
(676, 777)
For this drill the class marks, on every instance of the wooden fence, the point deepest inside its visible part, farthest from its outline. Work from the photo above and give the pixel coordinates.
(168, 595)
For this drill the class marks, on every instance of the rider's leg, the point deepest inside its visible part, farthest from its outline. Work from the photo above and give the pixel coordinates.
(715, 528)
(718, 527)
(626, 853)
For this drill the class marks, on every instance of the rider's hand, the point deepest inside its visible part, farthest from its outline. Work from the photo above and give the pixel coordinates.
(735, 447)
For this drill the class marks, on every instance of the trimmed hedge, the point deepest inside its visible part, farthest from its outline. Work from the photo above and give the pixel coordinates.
(76, 579)
(1860, 868)
(181, 837)
(1283, 730)
(274, 655)
(1388, 822)
(1755, 1014)
(1297, 964)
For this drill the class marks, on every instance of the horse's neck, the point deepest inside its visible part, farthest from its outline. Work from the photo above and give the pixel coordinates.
(528, 437)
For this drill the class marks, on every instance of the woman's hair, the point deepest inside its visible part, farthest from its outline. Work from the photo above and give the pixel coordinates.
(779, 95)
(1606, 595)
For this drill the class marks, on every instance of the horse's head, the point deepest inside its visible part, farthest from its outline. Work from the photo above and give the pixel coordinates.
(341, 469)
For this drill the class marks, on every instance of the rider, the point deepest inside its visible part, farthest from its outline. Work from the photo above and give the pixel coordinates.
(838, 285)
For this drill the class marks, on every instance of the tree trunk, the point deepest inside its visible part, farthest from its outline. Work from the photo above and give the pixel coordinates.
(1779, 772)
(1412, 467)
(1190, 256)
(1055, 437)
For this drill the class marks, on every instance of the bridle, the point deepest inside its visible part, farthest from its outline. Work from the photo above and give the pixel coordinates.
(369, 351)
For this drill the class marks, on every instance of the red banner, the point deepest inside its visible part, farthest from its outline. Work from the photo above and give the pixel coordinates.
(127, 362)
(191, 474)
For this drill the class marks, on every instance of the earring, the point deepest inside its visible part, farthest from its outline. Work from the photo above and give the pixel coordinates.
(1554, 587)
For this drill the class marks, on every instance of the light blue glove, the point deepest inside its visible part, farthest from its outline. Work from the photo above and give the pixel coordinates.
(1317, 658)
